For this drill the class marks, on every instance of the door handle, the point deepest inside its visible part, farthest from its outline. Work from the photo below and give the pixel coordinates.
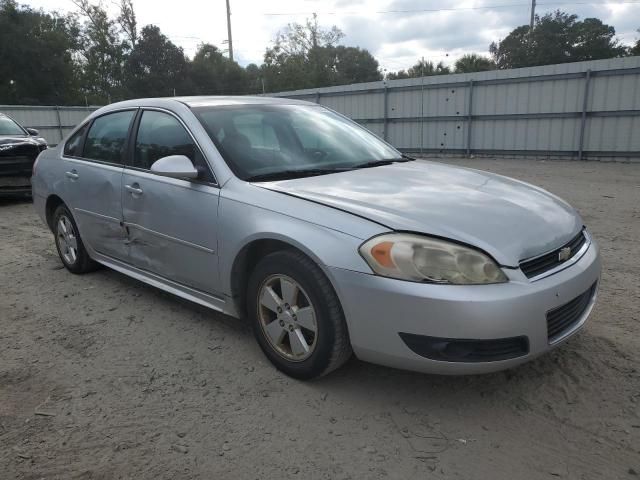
(73, 175)
(135, 189)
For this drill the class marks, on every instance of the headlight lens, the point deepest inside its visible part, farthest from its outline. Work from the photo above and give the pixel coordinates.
(423, 259)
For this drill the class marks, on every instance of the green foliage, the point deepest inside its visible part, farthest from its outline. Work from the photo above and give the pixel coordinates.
(424, 68)
(635, 50)
(308, 56)
(472, 62)
(214, 74)
(155, 67)
(103, 54)
(556, 38)
(37, 56)
(88, 56)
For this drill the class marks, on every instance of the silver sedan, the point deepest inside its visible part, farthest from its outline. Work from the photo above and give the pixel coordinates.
(326, 238)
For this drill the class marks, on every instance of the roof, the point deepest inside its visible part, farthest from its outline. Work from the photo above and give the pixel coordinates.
(172, 103)
(238, 100)
(204, 101)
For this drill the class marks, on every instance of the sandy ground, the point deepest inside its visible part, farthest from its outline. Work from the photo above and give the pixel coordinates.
(104, 377)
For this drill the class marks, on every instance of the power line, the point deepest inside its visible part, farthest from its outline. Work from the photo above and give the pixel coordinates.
(433, 10)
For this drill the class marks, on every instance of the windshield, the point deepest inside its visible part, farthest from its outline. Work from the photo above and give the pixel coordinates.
(265, 140)
(9, 127)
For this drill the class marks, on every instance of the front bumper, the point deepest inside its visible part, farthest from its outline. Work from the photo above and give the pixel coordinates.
(378, 309)
(14, 186)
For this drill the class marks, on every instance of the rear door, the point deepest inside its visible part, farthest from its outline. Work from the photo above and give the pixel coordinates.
(94, 162)
(172, 223)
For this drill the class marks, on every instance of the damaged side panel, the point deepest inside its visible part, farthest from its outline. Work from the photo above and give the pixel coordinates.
(172, 228)
(94, 192)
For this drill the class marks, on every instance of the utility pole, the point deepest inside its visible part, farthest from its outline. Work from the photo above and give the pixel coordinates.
(229, 31)
(533, 15)
(421, 104)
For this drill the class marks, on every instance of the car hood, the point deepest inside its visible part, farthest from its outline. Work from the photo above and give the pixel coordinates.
(15, 144)
(508, 219)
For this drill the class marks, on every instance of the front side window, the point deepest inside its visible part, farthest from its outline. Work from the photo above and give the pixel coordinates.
(161, 135)
(107, 137)
(264, 140)
(9, 127)
(73, 147)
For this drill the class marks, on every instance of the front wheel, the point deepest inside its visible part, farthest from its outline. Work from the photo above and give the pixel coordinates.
(296, 316)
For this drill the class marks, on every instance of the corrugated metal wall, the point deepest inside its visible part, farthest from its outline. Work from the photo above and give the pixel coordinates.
(54, 123)
(585, 109)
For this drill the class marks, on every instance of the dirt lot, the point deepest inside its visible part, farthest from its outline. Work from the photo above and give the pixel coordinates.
(104, 377)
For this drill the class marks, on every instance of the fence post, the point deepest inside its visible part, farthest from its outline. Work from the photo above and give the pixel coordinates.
(318, 97)
(583, 118)
(59, 123)
(469, 114)
(385, 119)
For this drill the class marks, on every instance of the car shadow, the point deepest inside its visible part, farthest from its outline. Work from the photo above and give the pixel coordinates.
(360, 380)
(8, 201)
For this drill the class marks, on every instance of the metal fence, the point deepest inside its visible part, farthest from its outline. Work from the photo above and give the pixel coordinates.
(577, 110)
(54, 123)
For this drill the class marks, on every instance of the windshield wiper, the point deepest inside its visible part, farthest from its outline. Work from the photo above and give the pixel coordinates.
(288, 174)
(385, 161)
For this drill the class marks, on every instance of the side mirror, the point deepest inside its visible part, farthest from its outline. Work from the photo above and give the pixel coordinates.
(175, 166)
(32, 131)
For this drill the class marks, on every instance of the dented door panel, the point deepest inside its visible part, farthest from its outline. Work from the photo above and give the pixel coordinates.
(172, 228)
(94, 192)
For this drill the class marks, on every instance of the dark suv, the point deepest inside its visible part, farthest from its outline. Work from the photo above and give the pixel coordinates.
(19, 148)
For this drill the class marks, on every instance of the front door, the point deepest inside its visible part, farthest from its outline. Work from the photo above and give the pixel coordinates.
(171, 223)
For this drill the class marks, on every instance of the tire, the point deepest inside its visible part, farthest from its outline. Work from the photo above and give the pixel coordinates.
(72, 252)
(328, 347)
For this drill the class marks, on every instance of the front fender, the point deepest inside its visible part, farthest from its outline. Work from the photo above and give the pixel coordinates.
(241, 223)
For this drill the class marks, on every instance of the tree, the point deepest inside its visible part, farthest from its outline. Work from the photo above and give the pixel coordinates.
(352, 65)
(297, 39)
(472, 62)
(593, 40)
(635, 50)
(128, 21)
(308, 56)
(556, 38)
(103, 54)
(424, 68)
(211, 73)
(36, 54)
(254, 78)
(156, 67)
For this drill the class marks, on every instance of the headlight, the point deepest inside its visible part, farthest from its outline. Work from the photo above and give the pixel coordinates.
(423, 259)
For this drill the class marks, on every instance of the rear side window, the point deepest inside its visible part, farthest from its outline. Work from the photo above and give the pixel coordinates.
(161, 135)
(107, 137)
(73, 147)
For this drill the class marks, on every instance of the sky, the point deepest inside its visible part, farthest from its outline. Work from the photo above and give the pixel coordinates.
(396, 32)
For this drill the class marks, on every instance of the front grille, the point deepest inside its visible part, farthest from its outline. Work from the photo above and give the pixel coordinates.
(543, 263)
(562, 319)
(16, 165)
(466, 350)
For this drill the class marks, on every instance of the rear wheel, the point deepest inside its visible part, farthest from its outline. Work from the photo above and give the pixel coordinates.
(296, 316)
(69, 244)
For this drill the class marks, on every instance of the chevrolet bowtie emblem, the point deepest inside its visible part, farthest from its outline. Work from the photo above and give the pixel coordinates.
(564, 254)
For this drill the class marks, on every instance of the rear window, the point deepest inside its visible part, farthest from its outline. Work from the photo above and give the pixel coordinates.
(73, 147)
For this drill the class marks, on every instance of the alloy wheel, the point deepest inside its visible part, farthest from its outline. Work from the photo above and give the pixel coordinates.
(287, 317)
(67, 240)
